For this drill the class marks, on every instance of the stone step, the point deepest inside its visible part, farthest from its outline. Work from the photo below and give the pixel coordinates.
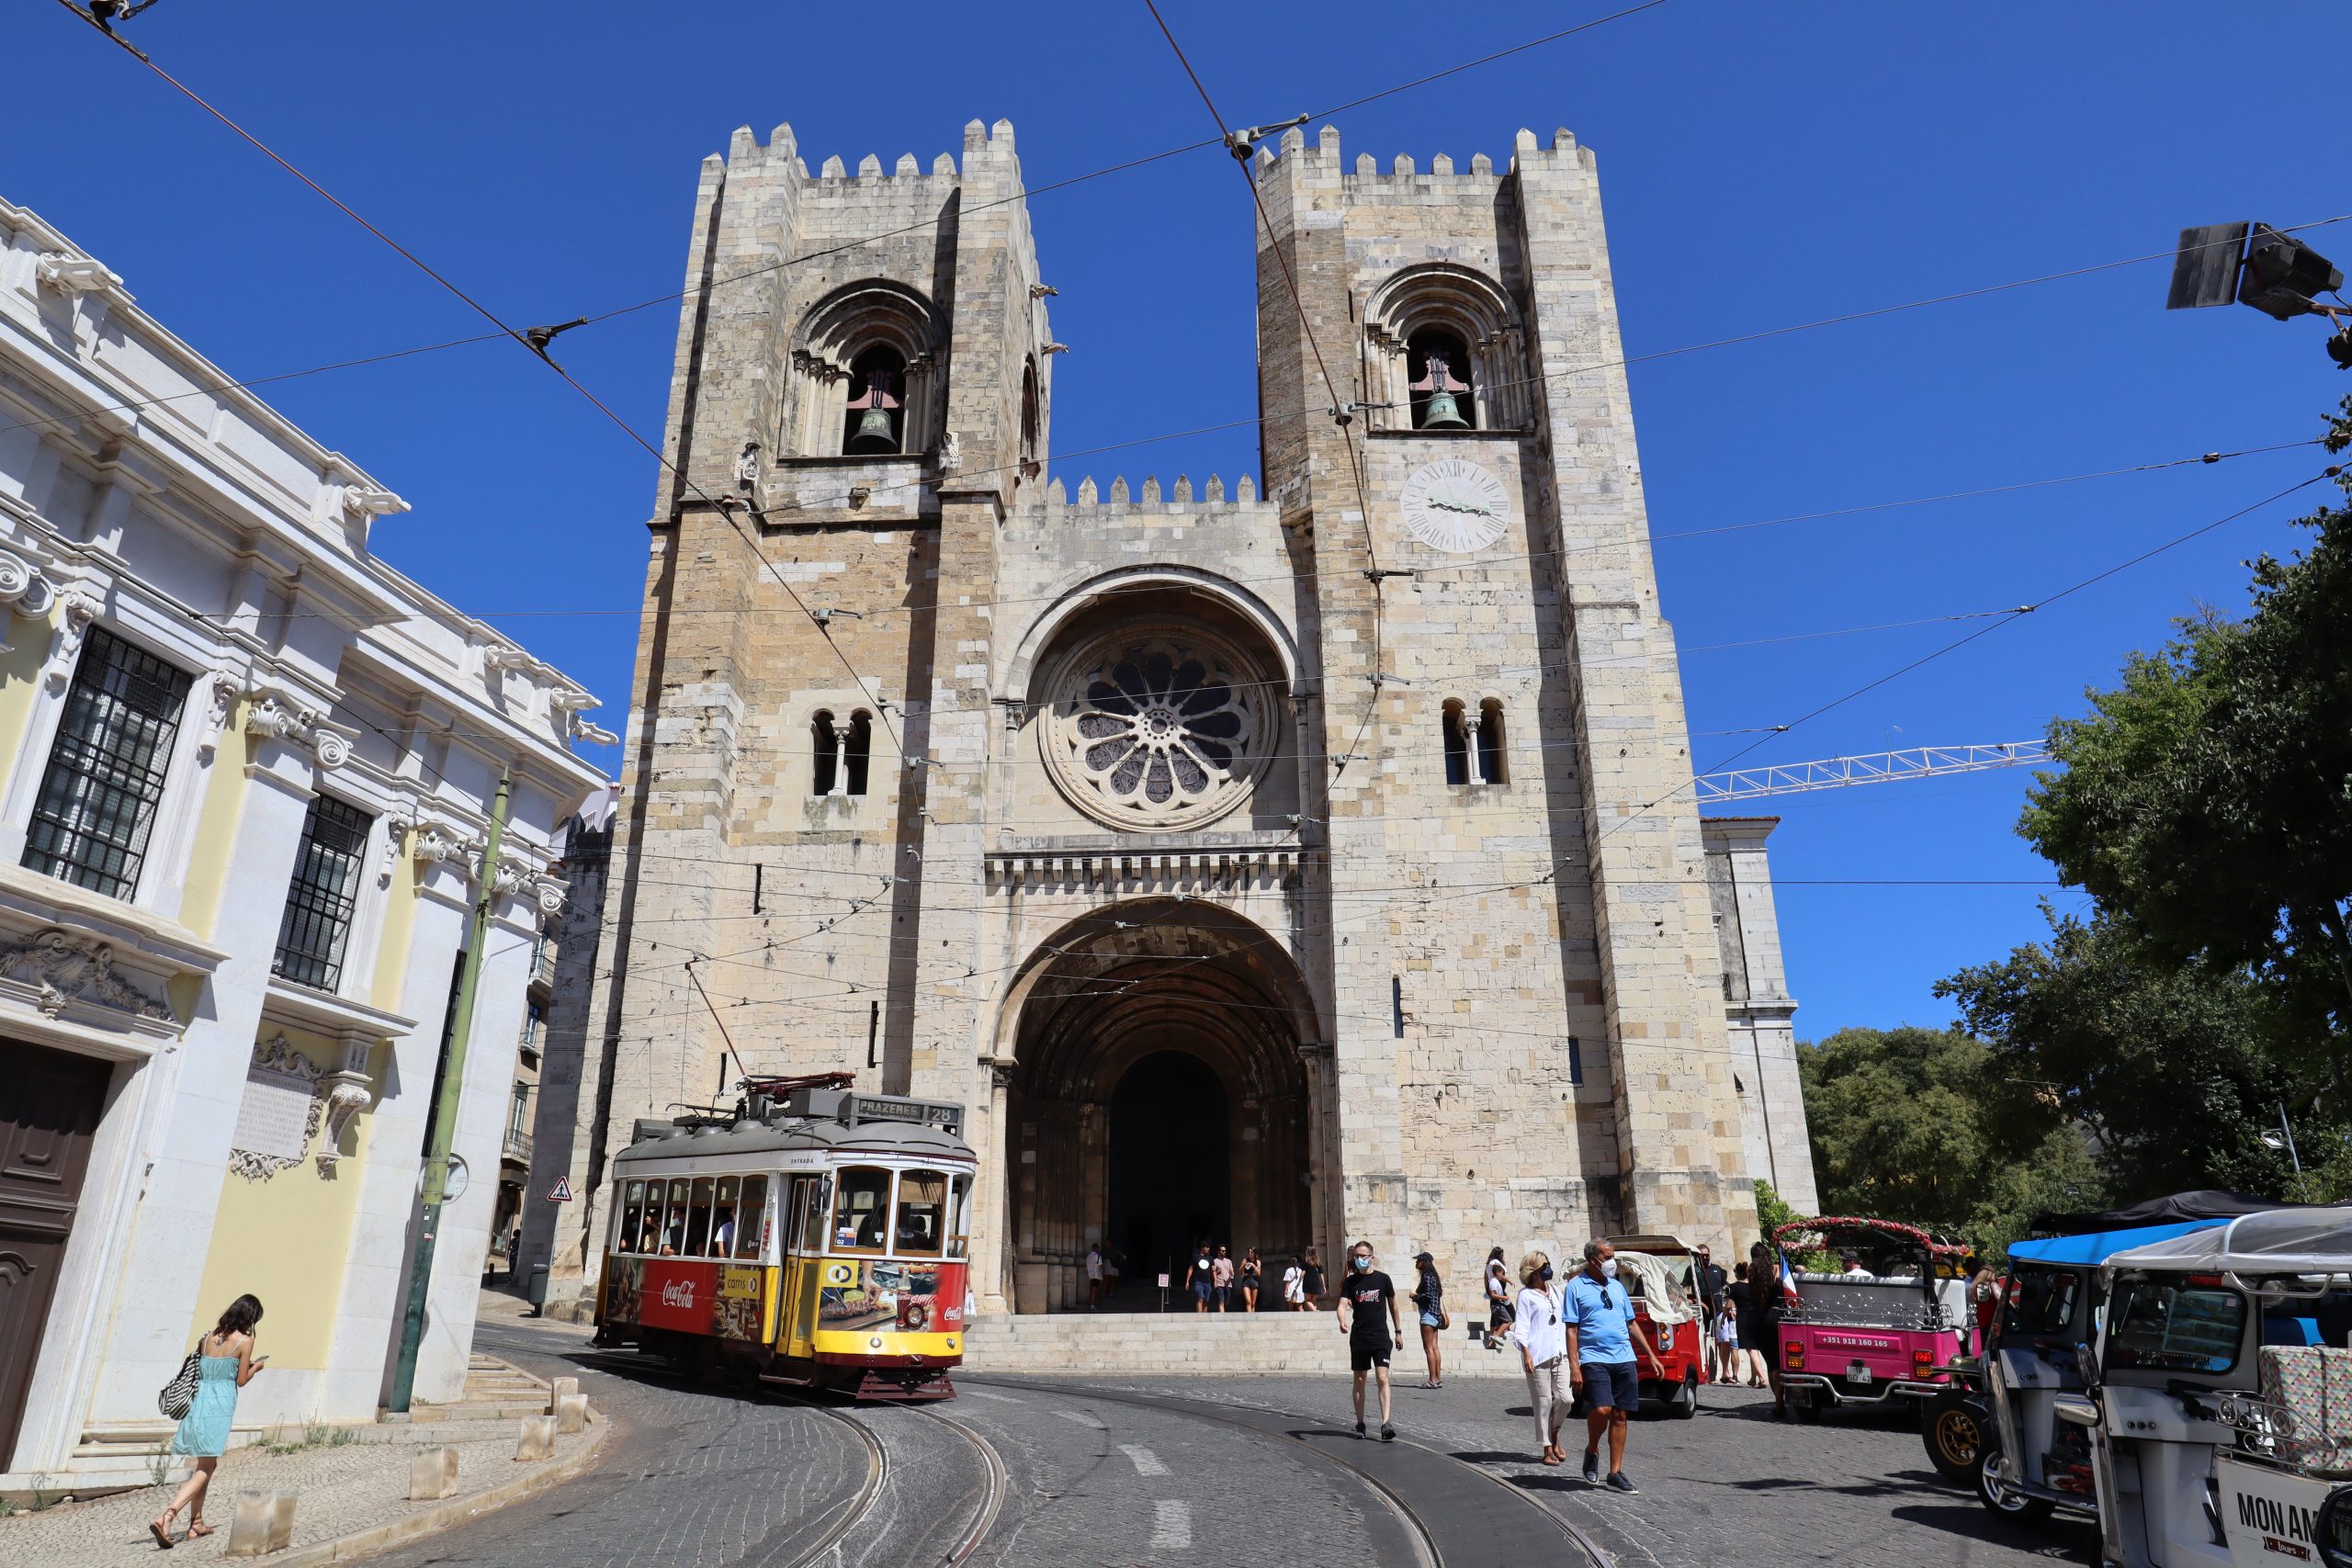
(1207, 1343)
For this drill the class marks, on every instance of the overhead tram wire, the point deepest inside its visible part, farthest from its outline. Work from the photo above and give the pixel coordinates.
(722, 507)
(680, 296)
(1331, 385)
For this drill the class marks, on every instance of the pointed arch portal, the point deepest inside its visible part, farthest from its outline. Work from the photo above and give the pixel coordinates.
(1162, 1093)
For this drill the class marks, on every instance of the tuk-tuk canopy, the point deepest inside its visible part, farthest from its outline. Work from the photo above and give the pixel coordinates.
(2282, 1241)
(2081, 1251)
(2205, 1204)
(1824, 1232)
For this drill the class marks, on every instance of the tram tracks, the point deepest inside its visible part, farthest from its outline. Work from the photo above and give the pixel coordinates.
(832, 1547)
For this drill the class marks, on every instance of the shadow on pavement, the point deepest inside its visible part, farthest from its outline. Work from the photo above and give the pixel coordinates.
(2068, 1540)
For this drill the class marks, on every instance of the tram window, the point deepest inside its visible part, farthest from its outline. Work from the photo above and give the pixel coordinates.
(632, 1222)
(674, 1220)
(751, 1220)
(959, 1214)
(922, 1212)
(698, 1220)
(861, 1207)
(722, 1219)
(807, 1217)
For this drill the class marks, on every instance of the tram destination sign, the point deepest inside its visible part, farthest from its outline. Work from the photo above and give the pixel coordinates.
(920, 1112)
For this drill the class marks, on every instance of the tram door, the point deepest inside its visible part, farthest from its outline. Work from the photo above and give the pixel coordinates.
(806, 1217)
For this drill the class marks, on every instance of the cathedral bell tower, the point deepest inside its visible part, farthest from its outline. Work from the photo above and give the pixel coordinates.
(1529, 1037)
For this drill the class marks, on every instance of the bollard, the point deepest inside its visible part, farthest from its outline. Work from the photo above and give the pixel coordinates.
(538, 1438)
(249, 1526)
(433, 1474)
(571, 1412)
(557, 1389)
(281, 1520)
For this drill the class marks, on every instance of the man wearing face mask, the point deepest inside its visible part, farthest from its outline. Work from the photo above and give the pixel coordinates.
(1602, 1337)
(1370, 1340)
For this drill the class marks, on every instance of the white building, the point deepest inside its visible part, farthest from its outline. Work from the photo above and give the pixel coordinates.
(245, 776)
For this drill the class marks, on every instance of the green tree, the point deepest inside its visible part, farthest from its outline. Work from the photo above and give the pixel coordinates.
(2164, 1066)
(2209, 798)
(1919, 1124)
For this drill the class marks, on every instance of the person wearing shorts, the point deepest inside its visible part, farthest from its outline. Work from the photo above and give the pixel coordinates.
(1603, 1334)
(1196, 1279)
(1371, 1338)
(1499, 1308)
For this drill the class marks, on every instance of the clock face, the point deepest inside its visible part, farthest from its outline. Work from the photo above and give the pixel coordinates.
(1454, 505)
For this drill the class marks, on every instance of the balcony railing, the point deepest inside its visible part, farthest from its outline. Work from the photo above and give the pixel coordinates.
(518, 1147)
(543, 963)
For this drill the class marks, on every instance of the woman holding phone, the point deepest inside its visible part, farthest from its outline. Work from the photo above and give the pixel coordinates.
(227, 1364)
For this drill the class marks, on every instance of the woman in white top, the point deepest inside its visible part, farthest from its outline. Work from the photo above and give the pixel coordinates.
(1498, 1299)
(1543, 1341)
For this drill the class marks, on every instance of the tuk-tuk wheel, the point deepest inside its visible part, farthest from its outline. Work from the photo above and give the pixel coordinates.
(2004, 1502)
(1957, 1434)
(1683, 1403)
(1805, 1407)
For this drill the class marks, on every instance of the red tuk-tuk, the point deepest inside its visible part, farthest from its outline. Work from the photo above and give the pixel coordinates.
(1661, 1276)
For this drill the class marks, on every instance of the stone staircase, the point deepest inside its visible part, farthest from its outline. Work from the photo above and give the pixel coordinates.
(494, 1391)
(1083, 1344)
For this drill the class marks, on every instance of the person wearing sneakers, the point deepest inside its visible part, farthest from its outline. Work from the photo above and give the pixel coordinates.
(1371, 1339)
(1602, 1337)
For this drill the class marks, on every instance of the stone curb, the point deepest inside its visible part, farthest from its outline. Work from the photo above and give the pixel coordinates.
(455, 1511)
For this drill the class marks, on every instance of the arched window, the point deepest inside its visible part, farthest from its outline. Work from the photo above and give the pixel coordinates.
(1457, 742)
(863, 342)
(1494, 766)
(824, 755)
(1438, 361)
(876, 413)
(1439, 310)
(1029, 415)
(857, 753)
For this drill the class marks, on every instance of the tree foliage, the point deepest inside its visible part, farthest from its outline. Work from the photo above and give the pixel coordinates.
(1925, 1125)
(2208, 800)
(2166, 1066)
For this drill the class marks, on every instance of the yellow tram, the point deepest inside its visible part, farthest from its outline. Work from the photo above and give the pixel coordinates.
(814, 1236)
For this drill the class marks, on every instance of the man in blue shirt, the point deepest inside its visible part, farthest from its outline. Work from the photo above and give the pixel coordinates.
(1602, 1335)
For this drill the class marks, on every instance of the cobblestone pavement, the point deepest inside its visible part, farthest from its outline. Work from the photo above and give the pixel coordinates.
(1728, 1486)
(709, 1476)
(340, 1490)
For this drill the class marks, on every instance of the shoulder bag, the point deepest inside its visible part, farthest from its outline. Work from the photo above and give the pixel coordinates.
(178, 1396)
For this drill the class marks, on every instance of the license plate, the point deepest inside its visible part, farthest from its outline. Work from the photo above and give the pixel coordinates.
(1858, 1373)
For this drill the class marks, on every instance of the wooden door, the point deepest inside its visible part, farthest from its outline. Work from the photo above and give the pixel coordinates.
(49, 1103)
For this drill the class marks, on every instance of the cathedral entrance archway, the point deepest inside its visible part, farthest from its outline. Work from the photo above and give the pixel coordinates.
(1161, 1095)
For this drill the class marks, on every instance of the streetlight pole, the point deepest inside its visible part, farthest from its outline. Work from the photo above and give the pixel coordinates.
(2288, 1128)
(434, 1192)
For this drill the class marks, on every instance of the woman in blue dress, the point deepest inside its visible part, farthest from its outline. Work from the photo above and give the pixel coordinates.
(229, 1364)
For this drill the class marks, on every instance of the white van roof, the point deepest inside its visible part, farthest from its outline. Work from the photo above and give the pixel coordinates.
(2276, 1241)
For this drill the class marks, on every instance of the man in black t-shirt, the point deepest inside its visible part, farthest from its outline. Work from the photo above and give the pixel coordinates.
(1363, 1296)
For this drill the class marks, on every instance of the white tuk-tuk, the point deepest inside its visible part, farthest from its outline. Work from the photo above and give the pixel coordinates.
(2219, 1396)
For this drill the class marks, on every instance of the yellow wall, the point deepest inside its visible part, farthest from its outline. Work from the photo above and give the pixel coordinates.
(215, 828)
(20, 676)
(284, 1240)
(400, 927)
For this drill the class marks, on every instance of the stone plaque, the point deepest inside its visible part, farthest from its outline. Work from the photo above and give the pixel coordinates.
(279, 1112)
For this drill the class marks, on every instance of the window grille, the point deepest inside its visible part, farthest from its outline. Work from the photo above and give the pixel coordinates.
(326, 888)
(98, 800)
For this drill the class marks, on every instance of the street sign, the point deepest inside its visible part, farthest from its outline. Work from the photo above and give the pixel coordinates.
(562, 1191)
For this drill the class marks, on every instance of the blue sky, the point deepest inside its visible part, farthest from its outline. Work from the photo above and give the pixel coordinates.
(1761, 166)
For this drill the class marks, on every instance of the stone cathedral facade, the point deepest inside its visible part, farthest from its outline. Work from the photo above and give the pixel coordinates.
(1278, 860)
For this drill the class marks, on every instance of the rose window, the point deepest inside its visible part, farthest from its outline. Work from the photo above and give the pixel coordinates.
(1157, 732)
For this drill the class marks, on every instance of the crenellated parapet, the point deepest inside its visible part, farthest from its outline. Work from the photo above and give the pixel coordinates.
(1367, 180)
(780, 155)
(1148, 497)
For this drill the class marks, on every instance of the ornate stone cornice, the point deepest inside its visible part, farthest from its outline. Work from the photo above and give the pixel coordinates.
(63, 273)
(63, 968)
(273, 716)
(23, 588)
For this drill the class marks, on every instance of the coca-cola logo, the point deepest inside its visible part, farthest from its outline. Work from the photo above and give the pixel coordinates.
(678, 1293)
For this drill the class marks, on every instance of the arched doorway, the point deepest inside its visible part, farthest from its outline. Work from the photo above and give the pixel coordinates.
(1160, 1095)
(1170, 1173)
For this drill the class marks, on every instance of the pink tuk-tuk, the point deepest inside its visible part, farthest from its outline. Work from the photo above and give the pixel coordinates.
(1877, 1310)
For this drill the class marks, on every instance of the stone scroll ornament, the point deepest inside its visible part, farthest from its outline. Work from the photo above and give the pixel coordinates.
(1158, 732)
(64, 969)
(281, 1112)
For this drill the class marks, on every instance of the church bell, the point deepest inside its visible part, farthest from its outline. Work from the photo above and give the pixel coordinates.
(1441, 414)
(873, 435)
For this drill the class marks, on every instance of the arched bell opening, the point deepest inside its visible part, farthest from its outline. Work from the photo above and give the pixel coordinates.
(1439, 362)
(876, 423)
(1163, 1091)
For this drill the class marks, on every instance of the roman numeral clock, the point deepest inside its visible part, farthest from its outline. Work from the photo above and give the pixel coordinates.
(1454, 505)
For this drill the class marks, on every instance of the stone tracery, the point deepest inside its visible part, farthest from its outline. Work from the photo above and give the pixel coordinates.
(1157, 729)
